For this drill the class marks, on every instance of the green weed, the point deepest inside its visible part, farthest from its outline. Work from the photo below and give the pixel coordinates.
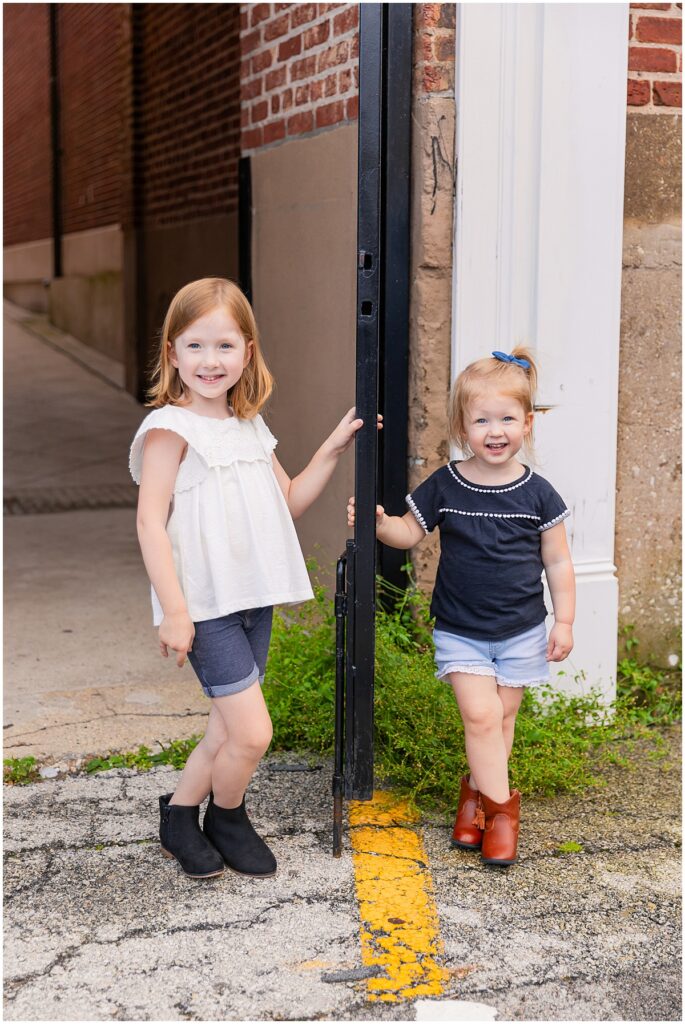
(176, 753)
(19, 771)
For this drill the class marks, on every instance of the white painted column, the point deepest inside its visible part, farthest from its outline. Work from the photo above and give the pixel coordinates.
(540, 147)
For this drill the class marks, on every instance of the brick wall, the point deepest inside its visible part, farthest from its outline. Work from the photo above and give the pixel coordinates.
(298, 71)
(655, 59)
(434, 47)
(27, 160)
(189, 109)
(91, 91)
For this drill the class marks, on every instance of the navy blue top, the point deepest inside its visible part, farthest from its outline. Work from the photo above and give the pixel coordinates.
(489, 584)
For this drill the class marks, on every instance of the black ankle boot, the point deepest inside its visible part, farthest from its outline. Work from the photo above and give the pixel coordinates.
(231, 832)
(181, 837)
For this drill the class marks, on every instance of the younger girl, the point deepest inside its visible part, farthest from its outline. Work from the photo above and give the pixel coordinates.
(215, 527)
(500, 524)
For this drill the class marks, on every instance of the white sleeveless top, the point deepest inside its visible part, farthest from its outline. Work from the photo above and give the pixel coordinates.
(232, 535)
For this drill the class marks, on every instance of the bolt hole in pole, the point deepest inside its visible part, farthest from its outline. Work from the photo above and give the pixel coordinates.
(367, 308)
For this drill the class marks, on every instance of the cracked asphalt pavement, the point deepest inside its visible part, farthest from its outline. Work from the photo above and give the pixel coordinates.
(98, 926)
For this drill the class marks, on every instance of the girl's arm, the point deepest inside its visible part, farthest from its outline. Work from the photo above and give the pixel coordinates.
(162, 456)
(401, 532)
(303, 490)
(561, 580)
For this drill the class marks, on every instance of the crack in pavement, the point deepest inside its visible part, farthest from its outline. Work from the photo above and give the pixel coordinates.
(102, 718)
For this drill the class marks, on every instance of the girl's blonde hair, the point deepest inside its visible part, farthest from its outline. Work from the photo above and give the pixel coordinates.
(248, 395)
(492, 374)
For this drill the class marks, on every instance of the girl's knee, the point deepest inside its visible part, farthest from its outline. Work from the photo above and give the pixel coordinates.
(483, 717)
(255, 742)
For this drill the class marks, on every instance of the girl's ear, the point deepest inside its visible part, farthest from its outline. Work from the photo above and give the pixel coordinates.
(249, 351)
(171, 352)
(528, 424)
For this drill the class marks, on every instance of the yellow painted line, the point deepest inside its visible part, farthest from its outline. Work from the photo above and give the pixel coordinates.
(399, 920)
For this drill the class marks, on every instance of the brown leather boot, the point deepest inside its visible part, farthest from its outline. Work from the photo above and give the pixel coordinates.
(501, 833)
(467, 834)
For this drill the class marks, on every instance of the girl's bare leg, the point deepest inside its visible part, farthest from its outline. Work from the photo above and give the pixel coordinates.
(482, 713)
(248, 729)
(196, 780)
(511, 697)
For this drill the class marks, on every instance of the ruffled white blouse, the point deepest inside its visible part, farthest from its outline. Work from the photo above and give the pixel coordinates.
(232, 536)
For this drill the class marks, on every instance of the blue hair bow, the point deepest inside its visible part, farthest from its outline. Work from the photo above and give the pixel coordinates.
(504, 358)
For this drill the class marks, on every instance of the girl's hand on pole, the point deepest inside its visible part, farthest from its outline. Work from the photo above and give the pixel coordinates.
(560, 643)
(341, 438)
(380, 512)
(176, 632)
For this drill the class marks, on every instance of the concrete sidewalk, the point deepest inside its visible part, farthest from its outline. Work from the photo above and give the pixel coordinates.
(98, 926)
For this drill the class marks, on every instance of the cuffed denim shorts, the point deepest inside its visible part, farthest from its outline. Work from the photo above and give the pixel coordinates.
(518, 661)
(229, 653)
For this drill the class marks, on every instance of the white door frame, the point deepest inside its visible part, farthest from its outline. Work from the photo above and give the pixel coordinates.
(540, 152)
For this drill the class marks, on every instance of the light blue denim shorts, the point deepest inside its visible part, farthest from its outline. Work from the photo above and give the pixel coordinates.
(518, 661)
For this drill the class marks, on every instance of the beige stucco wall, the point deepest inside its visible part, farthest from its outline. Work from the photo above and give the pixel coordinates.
(304, 291)
(648, 501)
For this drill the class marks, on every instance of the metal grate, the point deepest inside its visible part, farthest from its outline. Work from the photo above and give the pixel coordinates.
(39, 501)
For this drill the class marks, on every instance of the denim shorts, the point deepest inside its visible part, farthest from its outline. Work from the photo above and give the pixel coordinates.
(518, 661)
(229, 653)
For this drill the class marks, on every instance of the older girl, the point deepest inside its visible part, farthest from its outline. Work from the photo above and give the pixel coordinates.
(500, 525)
(215, 524)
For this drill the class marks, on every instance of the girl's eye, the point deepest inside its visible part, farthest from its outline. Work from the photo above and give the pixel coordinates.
(226, 344)
(481, 420)
(193, 344)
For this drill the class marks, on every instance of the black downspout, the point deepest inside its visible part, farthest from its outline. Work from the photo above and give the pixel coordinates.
(245, 226)
(56, 152)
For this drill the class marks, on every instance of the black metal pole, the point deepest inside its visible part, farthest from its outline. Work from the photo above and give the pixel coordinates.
(359, 768)
(394, 334)
(56, 146)
(338, 778)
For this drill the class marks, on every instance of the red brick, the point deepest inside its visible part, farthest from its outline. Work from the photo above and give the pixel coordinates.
(352, 108)
(274, 132)
(275, 104)
(262, 60)
(667, 94)
(251, 89)
(330, 85)
(638, 93)
(354, 46)
(345, 80)
(631, 29)
(281, 7)
(260, 111)
(276, 29)
(429, 15)
(334, 55)
(301, 95)
(300, 123)
(303, 13)
(444, 48)
(327, 8)
(346, 20)
(447, 17)
(651, 7)
(251, 139)
(259, 12)
(304, 68)
(425, 52)
(330, 114)
(316, 90)
(245, 68)
(317, 35)
(438, 78)
(290, 48)
(287, 99)
(243, 20)
(651, 58)
(250, 42)
(659, 30)
(276, 77)
(245, 117)
(356, 76)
